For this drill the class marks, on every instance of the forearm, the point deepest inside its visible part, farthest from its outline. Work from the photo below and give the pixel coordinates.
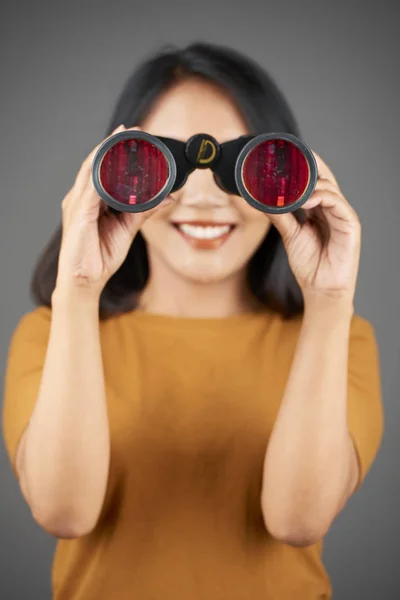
(65, 460)
(306, 467)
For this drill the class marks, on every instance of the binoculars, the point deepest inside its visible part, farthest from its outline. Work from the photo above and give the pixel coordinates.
(133, 171)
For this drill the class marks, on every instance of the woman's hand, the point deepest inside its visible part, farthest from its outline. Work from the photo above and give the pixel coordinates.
(95, 241)
(323, 272)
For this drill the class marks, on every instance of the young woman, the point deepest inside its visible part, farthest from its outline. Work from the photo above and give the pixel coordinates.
(188, 417)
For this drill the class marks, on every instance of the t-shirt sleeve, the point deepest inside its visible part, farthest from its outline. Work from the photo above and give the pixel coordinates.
(364, 400)
(23, 373)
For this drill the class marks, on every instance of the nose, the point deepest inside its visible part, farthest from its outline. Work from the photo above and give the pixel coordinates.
(201, 189)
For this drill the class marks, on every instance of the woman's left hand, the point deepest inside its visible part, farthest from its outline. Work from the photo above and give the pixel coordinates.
(323, 272)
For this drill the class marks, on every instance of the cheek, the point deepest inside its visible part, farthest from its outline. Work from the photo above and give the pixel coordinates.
(251, 234)
(156, 231)
(255, 224)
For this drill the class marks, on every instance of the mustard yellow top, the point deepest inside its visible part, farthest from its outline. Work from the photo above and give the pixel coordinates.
(191, 404)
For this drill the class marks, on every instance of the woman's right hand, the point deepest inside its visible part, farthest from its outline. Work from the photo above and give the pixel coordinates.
(95, 241)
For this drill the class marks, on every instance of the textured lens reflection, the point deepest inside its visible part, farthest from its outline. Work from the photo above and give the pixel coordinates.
(133, 171)
(276, 173)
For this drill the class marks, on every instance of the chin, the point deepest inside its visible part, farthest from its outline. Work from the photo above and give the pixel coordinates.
(203, 273)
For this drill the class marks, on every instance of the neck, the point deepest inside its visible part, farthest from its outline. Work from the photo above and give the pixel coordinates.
(171, 295)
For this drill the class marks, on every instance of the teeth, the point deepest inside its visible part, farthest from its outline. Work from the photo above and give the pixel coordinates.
(201, 232)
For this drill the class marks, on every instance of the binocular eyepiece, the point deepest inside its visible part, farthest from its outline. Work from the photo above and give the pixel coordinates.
(133, 171)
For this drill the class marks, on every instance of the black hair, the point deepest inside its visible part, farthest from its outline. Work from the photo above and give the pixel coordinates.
(264, 109)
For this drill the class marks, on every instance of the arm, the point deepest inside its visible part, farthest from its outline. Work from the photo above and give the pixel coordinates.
(310, 466)
(63, 457)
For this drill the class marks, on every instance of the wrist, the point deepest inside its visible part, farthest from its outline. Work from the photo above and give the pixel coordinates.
(67, 294)
(331, 307)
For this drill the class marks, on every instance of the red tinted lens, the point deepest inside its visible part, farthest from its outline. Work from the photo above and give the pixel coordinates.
(133, 171)
(275, 173)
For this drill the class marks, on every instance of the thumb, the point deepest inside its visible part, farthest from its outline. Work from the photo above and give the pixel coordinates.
(132, 222)
(286, 224)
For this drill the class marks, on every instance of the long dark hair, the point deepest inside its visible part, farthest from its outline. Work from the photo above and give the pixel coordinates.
(264, 108)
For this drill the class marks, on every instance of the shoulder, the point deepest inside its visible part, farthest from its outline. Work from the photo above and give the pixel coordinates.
(361, 327)
(34, 324)
(39, 314)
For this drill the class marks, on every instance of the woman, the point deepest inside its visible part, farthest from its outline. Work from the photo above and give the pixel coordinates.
(188, 418)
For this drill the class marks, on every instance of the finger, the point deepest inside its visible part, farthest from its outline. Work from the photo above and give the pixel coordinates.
(338, 212)
(326, 184)
(84, 189)
(287, 225)
(131, 221)
(86, 166)
(324, 172)
(86, 169)
(90, 201)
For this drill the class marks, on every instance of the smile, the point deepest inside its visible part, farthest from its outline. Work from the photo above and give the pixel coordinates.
(204, 236)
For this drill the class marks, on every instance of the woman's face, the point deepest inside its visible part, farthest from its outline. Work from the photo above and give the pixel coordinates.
(201, 207)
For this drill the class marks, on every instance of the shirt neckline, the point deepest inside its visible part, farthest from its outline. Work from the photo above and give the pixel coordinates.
(199, 323)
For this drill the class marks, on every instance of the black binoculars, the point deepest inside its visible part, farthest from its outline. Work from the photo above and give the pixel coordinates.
(133, 171)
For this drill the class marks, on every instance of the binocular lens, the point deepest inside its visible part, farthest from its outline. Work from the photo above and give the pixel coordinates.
(275, 173)
(134, 171)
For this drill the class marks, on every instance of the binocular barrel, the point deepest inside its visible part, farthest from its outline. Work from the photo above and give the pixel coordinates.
(134, 171)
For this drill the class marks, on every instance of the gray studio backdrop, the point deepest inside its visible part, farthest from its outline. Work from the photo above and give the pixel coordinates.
(62, 65)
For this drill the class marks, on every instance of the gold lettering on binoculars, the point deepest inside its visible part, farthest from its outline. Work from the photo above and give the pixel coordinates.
(203, 149)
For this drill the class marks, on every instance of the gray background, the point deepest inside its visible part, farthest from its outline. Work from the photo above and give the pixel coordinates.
(62, 66)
